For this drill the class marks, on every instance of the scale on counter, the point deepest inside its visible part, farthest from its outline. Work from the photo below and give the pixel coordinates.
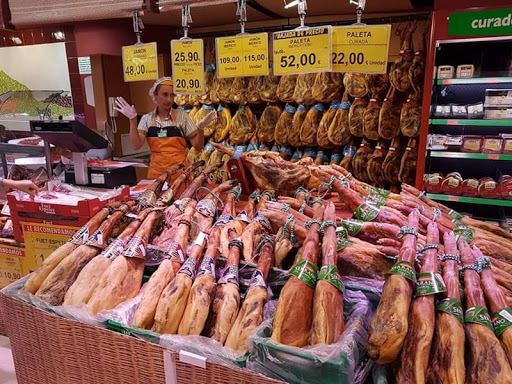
(77, 138)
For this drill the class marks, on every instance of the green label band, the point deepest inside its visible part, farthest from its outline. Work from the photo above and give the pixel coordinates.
(330, 273)
(453, 307)
(352, 226)
(478, 315)
(367, 212)
(405, 269)
(456, 216)
(378, 197)
(306, 272)
(429, 283)
(501, 320)
(464, 232)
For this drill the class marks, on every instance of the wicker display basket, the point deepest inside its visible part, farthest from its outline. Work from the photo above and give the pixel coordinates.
(3, 331)
(48, 349)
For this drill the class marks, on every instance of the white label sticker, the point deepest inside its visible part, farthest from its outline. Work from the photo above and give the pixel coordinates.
(506, 315)
(97, 178)
(193, 359)
(509, 113)
(200, 238)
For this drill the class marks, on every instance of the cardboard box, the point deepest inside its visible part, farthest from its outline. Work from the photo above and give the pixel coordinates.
(11, 259)
(41, 240)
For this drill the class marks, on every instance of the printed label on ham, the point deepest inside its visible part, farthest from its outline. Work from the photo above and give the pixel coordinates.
(306, 272)
(429, 283)
(200, 238)
(342, 239)
(136, 248)
(242, 216)
(377, 197)
(230, 275)
(263, 221)
(207, 267)
(366, 212)
(478, 315)
(352, 226)
(501, 320)
(455, 215)
(345, 104)
(175, 251)
(207, 207)
(81, 236)
(405, 269)
(464, 232)
(223, 220)
(96, 239)
(330, 273)
(114, 250)
(257, 279)
(189, 268)
(453, 307)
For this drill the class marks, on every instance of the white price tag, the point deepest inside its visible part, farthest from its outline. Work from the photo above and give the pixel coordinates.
(169, 368)
(193, 359)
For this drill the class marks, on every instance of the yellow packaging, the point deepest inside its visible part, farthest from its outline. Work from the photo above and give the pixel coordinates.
(10, 264)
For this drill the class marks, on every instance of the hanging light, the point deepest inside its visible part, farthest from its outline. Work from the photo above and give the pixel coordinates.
(59, 35)
(16, 40)
(292, 3)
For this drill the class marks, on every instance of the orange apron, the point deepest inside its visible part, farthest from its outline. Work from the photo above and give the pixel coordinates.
(167, 146)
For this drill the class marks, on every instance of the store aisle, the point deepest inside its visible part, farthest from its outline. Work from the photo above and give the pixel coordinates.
(7, 374)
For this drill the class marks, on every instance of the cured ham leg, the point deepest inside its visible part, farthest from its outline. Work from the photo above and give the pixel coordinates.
(251, 313)
(501, 314)
(145, 314)
(389, 326)
(173, 301)
(55, 286)
(448, 349)
(123, 278)
(486, 359)
(150, 195)
(202, 292)
(83, 287)
(80, 237)
(293, 317)
(168, 196)
(328, 323)
(227, 297)
(416, 349)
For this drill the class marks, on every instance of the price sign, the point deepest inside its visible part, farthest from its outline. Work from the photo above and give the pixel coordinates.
(188, 66)
(302, 51)
(245, 55)
(361, 49)
(140, 62)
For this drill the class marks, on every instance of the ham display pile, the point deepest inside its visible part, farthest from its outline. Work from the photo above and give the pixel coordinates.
(304, 228)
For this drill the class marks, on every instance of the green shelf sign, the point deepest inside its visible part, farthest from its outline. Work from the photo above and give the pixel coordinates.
(492, 22)
(469, 200)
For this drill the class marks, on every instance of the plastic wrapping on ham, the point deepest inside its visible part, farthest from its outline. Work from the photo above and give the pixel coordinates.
(286, 88)
(268, 122)
(327, 86)
(302, 93)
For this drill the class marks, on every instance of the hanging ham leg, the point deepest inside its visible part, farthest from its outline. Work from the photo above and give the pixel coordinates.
(416, 349)
(80, 237)
(85, 284)
(55, 286)
(293, 317)
(501, 314)
(172, 303)
(448, 349)
(251, 313)
(123, 278)
(202, 292)
(328, 321)
(389, 326)
(227, 297)
(486, 359)
(145, 314)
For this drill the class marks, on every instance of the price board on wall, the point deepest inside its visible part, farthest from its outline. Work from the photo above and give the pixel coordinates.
(302, 50)
(243, 55)
(187, 58)
(140, 62)
(361, 49)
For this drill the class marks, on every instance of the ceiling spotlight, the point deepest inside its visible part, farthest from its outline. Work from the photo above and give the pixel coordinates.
(16, 40)
(292, 3)
(59, 35)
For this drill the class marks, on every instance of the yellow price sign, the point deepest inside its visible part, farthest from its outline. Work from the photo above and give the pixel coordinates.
(140, 62)
(188, 66)
(361, 49)
(303, 50)
(244, 55)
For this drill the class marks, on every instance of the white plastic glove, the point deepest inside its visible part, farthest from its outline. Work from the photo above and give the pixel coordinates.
(125, 108)
(207, 120)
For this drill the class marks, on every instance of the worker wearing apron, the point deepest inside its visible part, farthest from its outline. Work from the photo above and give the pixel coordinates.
(166, 129)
